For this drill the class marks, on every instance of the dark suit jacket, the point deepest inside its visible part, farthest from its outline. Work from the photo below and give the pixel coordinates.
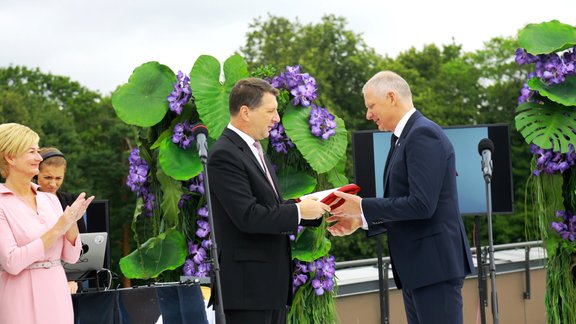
(252, 228)
(419, 210)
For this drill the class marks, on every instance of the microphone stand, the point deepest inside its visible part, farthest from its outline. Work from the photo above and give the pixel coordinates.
(494, 296)
(220, 317)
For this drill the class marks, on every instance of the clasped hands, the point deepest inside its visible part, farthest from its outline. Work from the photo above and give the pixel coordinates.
(346, 218)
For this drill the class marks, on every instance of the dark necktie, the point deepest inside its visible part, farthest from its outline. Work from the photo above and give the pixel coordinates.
(393, 140)
(261, 154)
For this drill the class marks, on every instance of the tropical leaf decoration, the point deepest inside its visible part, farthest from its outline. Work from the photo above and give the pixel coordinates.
(171, 193)
(142, 101)
(548, 125)
(311, 244)
(211, 95)
(295, 183)
(336, 175)
(178, 163)
(562, 93)
(547, 119)
(547, 37)
(167, 251)
(322, 155)
(308, 147)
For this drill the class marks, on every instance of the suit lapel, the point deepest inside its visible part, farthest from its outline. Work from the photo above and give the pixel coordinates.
(243, 146)
(400, 141)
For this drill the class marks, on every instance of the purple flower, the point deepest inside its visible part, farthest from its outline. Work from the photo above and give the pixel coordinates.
(552, 162)
(199, 256)
(279, 140)
(202, 211)
(322, 271)
(188, 268)
(181, 93)
(138, 171)
(182, 134)
(137, 180)
(197, 184)
(203, 228)
(300, 275)
(317, 284)
(300, 85)
(322, 123)
(207, 244)
(567, 228)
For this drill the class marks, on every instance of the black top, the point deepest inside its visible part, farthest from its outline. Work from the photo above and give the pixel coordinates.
(67, 199)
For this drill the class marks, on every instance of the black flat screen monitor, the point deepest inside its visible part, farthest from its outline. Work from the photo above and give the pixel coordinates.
(370, 149)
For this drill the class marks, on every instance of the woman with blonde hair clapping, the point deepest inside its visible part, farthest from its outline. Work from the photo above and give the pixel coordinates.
(35, 236)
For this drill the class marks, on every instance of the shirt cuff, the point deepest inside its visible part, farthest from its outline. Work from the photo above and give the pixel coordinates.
(364, 222)
(299, 217)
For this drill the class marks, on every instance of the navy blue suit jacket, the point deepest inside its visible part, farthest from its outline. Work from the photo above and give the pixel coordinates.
(419, 210)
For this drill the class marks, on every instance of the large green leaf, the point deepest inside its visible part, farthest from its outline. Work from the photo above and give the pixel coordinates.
(171, 193)
(167, 251)
(563, 93)
(548, 125)
(294, 183)
(322, 155)
(178, 163)
(311, 244)
(211, 96)
(547, 37)
(142, 101)
(337, 176)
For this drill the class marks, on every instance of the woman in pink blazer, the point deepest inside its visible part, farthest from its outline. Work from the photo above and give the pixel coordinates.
(35, 236)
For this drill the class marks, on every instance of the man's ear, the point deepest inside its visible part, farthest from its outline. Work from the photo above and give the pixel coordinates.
(392, 96)
(244, 113)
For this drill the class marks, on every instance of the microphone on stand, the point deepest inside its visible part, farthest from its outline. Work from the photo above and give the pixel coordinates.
(485, 148)
(200, 132)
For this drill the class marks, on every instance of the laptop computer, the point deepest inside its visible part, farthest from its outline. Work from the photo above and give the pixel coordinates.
(91, 256)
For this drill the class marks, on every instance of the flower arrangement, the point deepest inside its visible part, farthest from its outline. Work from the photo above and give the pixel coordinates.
(547, 119)
(307, 148)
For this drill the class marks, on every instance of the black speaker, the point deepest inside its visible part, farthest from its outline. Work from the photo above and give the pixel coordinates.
(98, 220)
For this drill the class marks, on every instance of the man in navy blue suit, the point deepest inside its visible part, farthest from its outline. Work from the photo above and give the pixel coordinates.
(419, 211)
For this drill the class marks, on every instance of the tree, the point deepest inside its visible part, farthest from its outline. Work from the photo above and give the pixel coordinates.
(339, 59)
(83, 125)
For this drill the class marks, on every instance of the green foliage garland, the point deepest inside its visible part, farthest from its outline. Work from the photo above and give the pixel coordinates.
(170, 168)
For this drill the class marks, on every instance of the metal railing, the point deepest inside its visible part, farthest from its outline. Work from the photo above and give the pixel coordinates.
(385, 263)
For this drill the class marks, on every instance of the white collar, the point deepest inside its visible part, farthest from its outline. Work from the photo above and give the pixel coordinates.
(402, 123)
(247, 138)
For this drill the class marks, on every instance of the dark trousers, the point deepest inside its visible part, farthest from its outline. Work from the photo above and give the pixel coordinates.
(269, 316)
(439, 303)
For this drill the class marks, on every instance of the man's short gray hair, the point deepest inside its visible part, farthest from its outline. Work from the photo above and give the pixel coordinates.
(385, 81)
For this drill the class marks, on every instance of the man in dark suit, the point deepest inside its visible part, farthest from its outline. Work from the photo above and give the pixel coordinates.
(251, 219)
(419, 211)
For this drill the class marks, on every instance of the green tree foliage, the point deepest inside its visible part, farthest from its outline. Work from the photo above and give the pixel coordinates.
(84, 126)
(339, 59)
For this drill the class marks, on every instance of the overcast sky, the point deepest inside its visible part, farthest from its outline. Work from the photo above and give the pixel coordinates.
(99, 43)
